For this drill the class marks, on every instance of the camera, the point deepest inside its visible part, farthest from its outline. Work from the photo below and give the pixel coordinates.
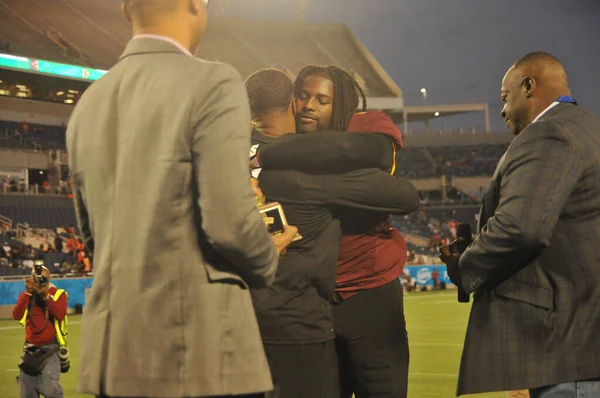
(40, 279)
(65, 362)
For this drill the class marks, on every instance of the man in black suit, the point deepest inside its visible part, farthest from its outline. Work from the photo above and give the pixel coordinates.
(533, 268)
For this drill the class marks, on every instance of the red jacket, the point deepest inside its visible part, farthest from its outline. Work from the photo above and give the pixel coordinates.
(376, 257)
(37, 333)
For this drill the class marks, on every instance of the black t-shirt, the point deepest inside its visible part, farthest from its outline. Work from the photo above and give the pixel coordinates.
(296, 308)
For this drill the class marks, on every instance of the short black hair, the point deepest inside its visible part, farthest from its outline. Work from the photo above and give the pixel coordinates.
(537, 56)
(345, 93)
(269, 90)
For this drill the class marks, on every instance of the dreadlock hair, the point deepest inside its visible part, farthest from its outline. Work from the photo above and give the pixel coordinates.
(269, 90)
(345, 93)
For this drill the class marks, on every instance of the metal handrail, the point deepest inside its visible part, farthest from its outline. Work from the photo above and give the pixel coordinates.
(6, 220)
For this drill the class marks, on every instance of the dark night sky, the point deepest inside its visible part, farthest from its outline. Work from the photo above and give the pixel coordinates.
(459, 50)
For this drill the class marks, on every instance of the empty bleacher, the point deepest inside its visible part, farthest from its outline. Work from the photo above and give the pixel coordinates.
(38, 211)
(31, 136)
(468, 161)
(413, 164)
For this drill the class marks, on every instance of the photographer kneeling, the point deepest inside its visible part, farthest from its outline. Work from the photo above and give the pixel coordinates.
(42, 309)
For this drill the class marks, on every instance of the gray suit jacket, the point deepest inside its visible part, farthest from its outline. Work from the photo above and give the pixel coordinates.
(158, 151)
(534, 266)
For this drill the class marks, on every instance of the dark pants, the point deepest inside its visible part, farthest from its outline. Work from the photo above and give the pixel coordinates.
(372, 343)
(303, 370)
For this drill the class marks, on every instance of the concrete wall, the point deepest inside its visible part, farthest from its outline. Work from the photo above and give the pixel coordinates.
(24, 110)
(428, 184)
(470, 182)
(10, 158)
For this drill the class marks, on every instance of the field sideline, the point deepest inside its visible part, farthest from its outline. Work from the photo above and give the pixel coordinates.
(436, 328)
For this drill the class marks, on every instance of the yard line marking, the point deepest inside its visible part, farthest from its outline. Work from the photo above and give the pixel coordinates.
(432, 374)
(11, 370)
(439, 302)
(21, 327)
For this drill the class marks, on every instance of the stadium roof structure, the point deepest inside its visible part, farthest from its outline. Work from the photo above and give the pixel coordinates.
(93, 34)
(425, 113)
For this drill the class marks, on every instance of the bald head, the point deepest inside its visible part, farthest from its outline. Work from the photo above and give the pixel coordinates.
(532, 84)
(148, 12)
(182, 20)
(547, 71)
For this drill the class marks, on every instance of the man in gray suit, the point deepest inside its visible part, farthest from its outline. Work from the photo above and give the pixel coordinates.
(158, 152)
(533, 267)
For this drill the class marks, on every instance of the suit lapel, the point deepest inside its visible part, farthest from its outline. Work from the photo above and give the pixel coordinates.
(491, 197)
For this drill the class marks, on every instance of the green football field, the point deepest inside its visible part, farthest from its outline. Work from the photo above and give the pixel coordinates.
(436, 327)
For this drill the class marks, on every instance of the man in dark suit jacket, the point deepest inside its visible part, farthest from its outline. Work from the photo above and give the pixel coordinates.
(534, 265)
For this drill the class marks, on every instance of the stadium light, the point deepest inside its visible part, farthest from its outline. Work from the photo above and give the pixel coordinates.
(424, 92)
(436, 114)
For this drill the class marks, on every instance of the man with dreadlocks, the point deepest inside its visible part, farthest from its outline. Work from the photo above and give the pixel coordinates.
(294, 314)
(368, 311)
(326, 99)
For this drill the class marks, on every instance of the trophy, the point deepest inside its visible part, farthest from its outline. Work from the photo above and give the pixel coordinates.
(273, 217)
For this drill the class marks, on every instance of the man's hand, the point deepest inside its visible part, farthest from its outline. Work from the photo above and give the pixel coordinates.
(451, 258)
(29, 286)
(255, 187)
(255, 162)
(258, 194)
(282, 241)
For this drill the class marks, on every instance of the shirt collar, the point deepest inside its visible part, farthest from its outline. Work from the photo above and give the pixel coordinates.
(164, 38)
(552, 105)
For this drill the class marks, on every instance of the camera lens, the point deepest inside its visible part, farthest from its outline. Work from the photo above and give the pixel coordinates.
(65, 362)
